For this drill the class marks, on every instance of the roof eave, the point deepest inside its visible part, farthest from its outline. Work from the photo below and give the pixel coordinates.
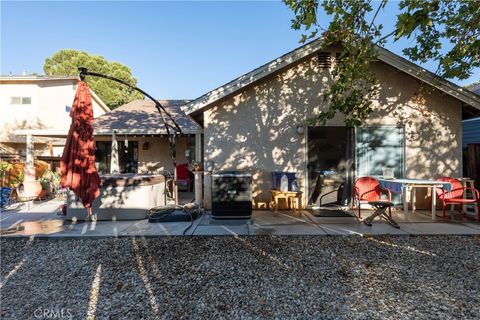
(428, 77)
(201, 103)
(131, 132)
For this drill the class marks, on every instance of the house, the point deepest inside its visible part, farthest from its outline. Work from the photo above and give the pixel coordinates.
(38, 107)
(471, 145)
(140, 136)
(259, 123)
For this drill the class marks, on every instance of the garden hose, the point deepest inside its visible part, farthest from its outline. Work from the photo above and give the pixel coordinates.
(160, 213)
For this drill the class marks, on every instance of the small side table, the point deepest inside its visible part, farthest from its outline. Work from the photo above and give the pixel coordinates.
(292, 198)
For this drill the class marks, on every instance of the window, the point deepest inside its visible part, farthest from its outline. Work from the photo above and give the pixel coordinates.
(26, 100)
(103, 152)
(127, 156)
(378, 148)
(15, 100)
(20, 100)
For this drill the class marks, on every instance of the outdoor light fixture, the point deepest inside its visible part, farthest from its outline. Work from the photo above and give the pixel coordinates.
(209, 165)
(300, 129)
(126, 141)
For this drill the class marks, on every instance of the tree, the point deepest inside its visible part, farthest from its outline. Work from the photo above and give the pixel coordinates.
(431, 24)
(66, 62)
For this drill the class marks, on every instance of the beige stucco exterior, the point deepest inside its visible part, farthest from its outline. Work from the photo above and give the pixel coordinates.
(255, 129)
(47, 110)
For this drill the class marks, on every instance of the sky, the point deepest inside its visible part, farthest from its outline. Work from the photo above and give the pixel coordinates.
(176, 50)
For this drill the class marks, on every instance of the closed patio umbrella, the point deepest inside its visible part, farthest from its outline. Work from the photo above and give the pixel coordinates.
(78, 160)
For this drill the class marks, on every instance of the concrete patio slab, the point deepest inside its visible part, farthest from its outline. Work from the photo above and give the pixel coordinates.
(94, 229)
(438, 228)
(283, 217)
(328, 220)
(295, 229)
(361, 229)
(222, 230)
(145, 228)
(474, 225)
(43, 221)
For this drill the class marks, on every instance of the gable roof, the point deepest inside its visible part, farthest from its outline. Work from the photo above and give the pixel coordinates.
(35, 78)
(198, 105)
(141, 117)
(475, 88)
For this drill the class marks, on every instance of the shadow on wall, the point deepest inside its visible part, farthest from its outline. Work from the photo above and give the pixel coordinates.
(255, 130)
(8, 131)
(432, 122)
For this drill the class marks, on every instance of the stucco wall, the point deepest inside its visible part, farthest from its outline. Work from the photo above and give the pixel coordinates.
(255, 130)
(47, 111)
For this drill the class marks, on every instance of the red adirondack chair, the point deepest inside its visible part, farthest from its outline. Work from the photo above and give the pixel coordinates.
(368, 189)
(456, 195)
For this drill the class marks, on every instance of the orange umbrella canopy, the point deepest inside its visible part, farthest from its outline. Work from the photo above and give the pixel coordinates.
(78, 160)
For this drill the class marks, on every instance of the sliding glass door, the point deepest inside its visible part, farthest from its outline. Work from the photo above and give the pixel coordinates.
(378, 148)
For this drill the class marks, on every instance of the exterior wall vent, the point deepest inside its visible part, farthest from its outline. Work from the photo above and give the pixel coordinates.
(325, 60)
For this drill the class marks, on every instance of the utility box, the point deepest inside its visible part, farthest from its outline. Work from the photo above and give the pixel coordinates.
(231, 194)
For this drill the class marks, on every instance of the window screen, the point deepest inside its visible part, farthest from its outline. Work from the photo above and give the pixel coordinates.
(26, 100)
(378, 148)
(15, 100)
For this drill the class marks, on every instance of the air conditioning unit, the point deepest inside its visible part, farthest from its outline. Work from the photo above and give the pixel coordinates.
(231, 195)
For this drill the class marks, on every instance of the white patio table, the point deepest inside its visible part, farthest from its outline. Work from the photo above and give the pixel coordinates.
(403, 186)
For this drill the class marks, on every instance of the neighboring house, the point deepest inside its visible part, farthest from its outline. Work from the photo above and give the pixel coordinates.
(38, 106)
(258, 123)
(141, 137)
(471, 145)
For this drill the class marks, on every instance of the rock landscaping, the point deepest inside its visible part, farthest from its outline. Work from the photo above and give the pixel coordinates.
(304, 277)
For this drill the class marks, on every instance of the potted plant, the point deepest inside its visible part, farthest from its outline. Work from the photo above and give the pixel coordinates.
(4, 190)
(51, 180)
(46, 187)
(4, 168)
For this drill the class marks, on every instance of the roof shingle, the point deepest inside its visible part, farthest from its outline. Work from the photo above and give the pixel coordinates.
(142, 117)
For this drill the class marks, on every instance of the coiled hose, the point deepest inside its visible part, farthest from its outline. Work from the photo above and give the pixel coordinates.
(160, 213)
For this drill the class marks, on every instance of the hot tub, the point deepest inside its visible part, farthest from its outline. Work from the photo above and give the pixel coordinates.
(122, 197)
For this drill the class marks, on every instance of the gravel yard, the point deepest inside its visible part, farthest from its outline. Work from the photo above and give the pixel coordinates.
(241, 277)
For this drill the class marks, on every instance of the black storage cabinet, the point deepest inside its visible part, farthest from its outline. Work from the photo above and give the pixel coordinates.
(231, 194)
